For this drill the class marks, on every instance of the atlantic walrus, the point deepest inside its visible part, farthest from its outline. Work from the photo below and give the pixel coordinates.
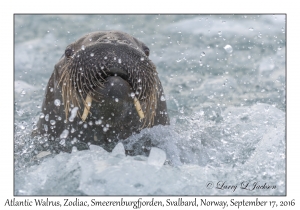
(102, 90)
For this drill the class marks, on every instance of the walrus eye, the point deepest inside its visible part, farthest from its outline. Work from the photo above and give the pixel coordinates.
(147, 51)
(68, 52)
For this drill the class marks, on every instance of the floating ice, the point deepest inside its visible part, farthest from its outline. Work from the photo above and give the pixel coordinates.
(118, 150)
(43, 154)
(157, 157)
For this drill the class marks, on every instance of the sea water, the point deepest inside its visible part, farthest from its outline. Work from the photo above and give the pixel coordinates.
(224, 83)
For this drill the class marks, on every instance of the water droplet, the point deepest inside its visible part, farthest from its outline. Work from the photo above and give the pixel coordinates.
(105, 129)
(92, 54)
(116, 99)
(90, 123)
(132, 95)
(279, 48)
(181, 110)
(52, 122)
(34, 127)
(119, 60)
(249, 56)
(228, 48)
(251, 29)
(98, 122)
(63, 142)
(42, 115)
(83, 47)
(22, 127)
(203, 54)
(85, 125)
(58, 118)
(51, 89)
(46, 128)
(162, 98)
(23, 92)
(47, 117)
(263, 90)
(208, 47)
(142, 58)
(73, 114)
(105, 57)
(220, 33)
(57, 102)
(107, 125)
(139, 80)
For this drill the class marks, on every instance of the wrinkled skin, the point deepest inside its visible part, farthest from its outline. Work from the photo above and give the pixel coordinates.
(111, 67)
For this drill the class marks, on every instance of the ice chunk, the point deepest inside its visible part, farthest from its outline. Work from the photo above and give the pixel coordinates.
(43, 154)
(96, 148)
(157, 157)
(118, 150)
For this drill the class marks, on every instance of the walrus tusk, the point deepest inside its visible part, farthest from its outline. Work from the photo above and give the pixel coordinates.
(88, 103)
(138, 108)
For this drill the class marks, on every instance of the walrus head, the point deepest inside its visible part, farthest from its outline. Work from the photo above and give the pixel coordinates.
(90, 61)
(103, 89)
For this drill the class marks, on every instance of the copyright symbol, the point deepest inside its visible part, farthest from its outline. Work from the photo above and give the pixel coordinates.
(209, 185)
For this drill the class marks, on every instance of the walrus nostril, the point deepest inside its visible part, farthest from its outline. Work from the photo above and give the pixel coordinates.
(117, 72)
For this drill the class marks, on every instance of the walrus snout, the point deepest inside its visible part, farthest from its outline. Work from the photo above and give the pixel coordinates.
(116, 91)
(90, 66)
